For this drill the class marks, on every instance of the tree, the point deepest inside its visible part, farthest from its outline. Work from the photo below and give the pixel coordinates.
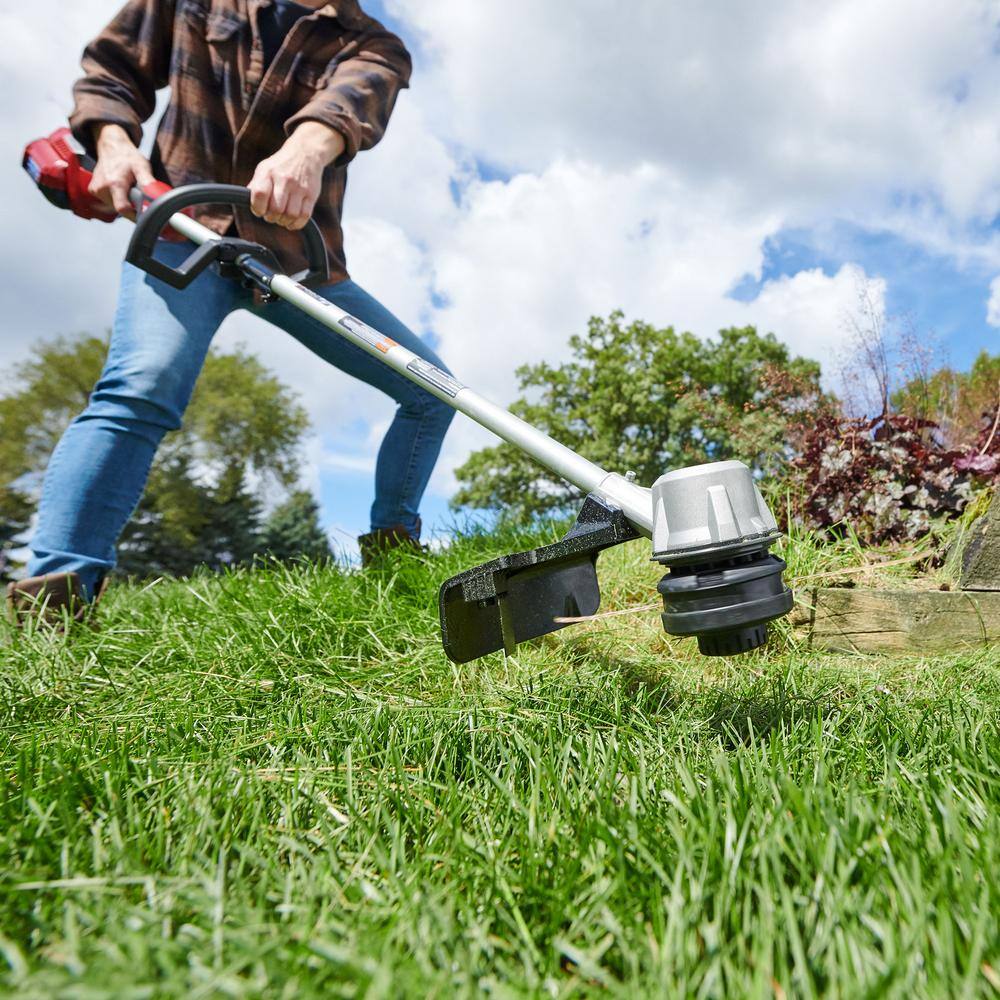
(15, 515)
(645, 399)
(40, 398)
(234, 520)
(293, 530)
(164, 535)
(242, 424)
(958, 402)
(182, 523)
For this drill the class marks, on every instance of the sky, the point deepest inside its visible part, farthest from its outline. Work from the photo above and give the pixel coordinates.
(694, 164)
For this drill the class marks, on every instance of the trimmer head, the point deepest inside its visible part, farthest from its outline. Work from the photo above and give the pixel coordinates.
(712, 529)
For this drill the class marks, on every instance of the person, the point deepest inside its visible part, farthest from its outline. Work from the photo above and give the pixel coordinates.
(274, 95)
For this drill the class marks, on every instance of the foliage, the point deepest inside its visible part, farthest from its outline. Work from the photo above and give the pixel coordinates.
(243, 416)
(39, 400)
(893, 476)
(293, 530)
(635, 397)
(887, 478)
(181, 523)
(272, 783)
(235, 524)
(15, 516)
(241, 423)
(955, 401)
(908, 443)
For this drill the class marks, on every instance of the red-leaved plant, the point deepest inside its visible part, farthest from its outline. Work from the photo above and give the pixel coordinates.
(887, 477)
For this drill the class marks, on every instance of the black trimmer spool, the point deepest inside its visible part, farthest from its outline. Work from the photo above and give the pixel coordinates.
(725, 601)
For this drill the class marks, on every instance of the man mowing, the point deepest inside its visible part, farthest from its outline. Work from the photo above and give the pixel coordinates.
(279, 97)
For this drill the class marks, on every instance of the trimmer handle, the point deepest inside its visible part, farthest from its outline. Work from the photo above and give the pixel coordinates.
(150, 223)
(63, 171)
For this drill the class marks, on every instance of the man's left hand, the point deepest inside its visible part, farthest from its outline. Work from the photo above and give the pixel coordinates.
(286, 186)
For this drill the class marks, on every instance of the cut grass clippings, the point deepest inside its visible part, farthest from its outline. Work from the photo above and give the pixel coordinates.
(273, 783)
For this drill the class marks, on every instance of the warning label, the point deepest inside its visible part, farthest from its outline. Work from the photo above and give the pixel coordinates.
(377, 340)
(436, 377)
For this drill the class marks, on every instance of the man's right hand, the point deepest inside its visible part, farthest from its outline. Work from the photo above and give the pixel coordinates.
(120, 167)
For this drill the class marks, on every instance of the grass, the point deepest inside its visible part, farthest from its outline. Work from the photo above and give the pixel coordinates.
(273, 784)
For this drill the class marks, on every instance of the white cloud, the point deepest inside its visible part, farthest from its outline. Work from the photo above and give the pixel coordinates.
(786, 100)
(406, 180)
(530, 260)
(60, 273)
(993, 305)
(812, 310)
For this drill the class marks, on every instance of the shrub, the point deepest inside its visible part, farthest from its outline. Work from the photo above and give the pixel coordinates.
(889, 477)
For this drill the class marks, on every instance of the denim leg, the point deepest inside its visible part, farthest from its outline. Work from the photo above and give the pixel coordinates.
(413, 441)
(98, 470)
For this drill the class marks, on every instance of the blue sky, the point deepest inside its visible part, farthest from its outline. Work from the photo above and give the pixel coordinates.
(377, 9)
(944, 299)
(552, 162)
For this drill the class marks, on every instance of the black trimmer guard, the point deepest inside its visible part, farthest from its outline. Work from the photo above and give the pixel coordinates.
(520, 596)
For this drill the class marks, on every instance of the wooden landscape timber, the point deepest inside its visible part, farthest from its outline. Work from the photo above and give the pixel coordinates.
(900, 620)
(863, 620)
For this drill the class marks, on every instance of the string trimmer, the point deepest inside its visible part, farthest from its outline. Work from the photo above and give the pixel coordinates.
(708, 524)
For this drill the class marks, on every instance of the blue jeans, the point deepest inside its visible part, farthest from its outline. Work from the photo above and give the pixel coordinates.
(158, 345)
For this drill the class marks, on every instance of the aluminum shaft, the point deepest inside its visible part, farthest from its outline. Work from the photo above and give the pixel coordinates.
(634, 501)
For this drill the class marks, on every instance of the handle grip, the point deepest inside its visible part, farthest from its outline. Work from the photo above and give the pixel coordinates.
(152, 221)
(62, 171)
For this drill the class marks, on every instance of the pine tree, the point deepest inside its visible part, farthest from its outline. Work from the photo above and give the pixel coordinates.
(15, 516)
(231, 534)
(293, 530)
(242, 425)
(165, 535)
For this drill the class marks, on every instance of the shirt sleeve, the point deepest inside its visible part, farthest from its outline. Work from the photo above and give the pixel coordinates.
(123, 69)
(360, 94)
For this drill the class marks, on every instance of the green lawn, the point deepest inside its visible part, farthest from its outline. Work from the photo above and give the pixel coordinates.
(274, 784)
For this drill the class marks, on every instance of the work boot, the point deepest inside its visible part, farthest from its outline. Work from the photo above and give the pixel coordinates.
(49, 599)
(376, 543)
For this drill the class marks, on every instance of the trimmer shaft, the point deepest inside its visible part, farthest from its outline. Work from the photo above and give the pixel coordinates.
(712, 528)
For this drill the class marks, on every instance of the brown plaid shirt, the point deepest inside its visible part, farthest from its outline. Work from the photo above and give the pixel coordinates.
(337, 66)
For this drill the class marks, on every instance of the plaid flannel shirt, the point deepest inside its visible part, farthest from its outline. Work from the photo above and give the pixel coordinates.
(226, 113)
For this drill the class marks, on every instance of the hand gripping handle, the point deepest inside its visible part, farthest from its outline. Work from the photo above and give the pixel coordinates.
(150, 223)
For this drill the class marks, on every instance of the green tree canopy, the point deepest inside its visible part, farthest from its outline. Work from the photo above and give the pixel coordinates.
(242, 425)
(636, 397)
(239, 413)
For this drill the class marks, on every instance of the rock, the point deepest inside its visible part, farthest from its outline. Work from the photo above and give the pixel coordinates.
(980, 551)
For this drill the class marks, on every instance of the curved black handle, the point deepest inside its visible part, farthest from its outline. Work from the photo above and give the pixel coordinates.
(150, 223)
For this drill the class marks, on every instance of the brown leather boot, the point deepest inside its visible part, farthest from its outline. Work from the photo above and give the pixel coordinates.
(50, 598)
(376, 543)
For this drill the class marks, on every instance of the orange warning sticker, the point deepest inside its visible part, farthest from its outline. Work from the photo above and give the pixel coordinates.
(370, 336)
